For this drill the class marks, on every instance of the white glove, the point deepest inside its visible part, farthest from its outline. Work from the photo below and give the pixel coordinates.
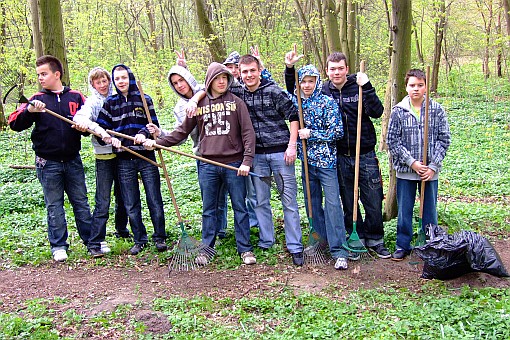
(361, 78)
(304, 133)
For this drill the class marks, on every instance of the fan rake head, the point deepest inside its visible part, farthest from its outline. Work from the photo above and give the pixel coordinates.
(189, 254)
(315, 253)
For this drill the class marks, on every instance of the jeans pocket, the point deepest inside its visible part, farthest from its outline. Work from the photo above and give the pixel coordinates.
(374, 176)
(39, 162)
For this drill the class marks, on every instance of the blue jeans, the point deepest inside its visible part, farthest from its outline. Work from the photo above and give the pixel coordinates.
(370, 193)
(128, 179)
(327, 219)
(274, 164)
(211, 179)
(106, 175)
(251, 201)
(406, 196)
(57, 178)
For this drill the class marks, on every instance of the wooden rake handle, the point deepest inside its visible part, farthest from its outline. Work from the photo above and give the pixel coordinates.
(425, 139)
(358, 147)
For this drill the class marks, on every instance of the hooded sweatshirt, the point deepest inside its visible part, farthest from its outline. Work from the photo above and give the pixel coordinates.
(347, 100)
(269, 107)
(52, 138)
(89, 113)
(126, 114)
(405, 138)
(321, 115)
(180, 107)
(225, 131)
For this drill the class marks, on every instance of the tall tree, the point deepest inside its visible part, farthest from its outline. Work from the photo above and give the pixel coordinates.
(439, 30)
(401, 28)
(52, 32)
(214, 42)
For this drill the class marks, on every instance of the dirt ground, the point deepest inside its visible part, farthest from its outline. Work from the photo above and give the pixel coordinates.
(93, 289)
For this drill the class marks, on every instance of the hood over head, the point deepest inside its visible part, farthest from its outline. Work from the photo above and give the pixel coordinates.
(92, 90)
(310, 70)
(233, 58)
(186, 75)
(214, 70)
(133, 88)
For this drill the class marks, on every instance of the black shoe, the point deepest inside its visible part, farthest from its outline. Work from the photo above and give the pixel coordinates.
(138, 247)
(161, 245)
(381, 251)
(297, 259)
(96, 252)
(222, 235)
(123, 235)
(399, 254)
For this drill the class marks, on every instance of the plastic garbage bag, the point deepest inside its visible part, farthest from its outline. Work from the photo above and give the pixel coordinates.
(449, 256)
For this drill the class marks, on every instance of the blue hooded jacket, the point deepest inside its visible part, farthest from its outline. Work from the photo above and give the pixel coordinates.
(321, 115)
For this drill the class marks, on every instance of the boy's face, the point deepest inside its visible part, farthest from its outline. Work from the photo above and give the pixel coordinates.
(181, 85)
(251, 75)
(121, 80)
(48, 79)
(308, 85)
(102, 85)
(337, 72)
(416, 88)
(234, 69)
(219, 85)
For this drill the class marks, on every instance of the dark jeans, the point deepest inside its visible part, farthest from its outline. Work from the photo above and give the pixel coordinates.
(370, 193)
(211, 179)
(130, 190)
(57, 178)
(106, 175)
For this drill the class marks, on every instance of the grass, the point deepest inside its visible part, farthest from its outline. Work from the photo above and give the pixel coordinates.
(474, 190)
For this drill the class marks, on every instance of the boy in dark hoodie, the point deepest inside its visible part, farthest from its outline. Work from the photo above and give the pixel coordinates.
(124, 112)
(225, 135)
(57, 153)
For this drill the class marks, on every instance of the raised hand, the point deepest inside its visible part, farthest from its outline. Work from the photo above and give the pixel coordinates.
(292, 57)
(181, 58)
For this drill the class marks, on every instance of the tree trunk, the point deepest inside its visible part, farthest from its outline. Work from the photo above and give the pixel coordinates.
(36, 31)
(351, 35)
(400, 63)
(344, 27)
(213, 41)
(440, 24)
(418, 46)
(52, 33)
(308, 37)
(333, 32)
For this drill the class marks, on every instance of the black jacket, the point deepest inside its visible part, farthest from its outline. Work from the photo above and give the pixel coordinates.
(52, 138)
(347, 99)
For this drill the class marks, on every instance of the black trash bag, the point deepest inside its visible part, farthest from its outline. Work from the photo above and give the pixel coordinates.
(444, 255)
(449, 256)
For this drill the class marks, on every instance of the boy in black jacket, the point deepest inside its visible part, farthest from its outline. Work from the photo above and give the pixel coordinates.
(343, 88)
(57, 153)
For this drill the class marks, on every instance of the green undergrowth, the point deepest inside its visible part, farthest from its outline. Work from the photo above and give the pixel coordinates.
(431, 312)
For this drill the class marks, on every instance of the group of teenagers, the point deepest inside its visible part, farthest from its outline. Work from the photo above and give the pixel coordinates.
(242, 118)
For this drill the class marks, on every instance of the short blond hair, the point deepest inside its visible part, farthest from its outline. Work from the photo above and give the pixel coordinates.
(97, 73)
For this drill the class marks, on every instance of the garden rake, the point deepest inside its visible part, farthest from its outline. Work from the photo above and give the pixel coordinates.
(189, 253)
(421, 238)
(313, 254)
(354, 243)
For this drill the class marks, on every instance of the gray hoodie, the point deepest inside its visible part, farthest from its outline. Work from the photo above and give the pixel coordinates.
(90, 111)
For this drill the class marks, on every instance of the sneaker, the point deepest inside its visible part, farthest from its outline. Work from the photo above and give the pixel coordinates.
(341, 263)
(399, 254)
(297, 259)
(105, 249)
(201, 260)
(60, 255)
(353, 256)
(136, 248)
(381, 251)
(161, 245)
(248, 258)
(95, 252)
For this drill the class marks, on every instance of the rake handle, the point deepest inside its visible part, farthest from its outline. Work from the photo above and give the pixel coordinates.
(95, 134)
(205, 160)
(425, 142)
(358, 147)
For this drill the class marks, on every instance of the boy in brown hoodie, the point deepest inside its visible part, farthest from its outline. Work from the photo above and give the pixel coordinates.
(226, 135)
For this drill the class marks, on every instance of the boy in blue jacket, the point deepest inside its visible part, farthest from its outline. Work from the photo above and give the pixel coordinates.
(57, 153)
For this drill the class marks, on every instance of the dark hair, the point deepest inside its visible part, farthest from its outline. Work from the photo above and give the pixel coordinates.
(417, 73)
(336, 57)
(248, 59)
(53, 62)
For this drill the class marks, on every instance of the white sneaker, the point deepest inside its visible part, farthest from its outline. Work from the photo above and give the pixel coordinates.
(248, 258)
(60, 255)
(341, 263)
(105, 249)
(201, 260)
